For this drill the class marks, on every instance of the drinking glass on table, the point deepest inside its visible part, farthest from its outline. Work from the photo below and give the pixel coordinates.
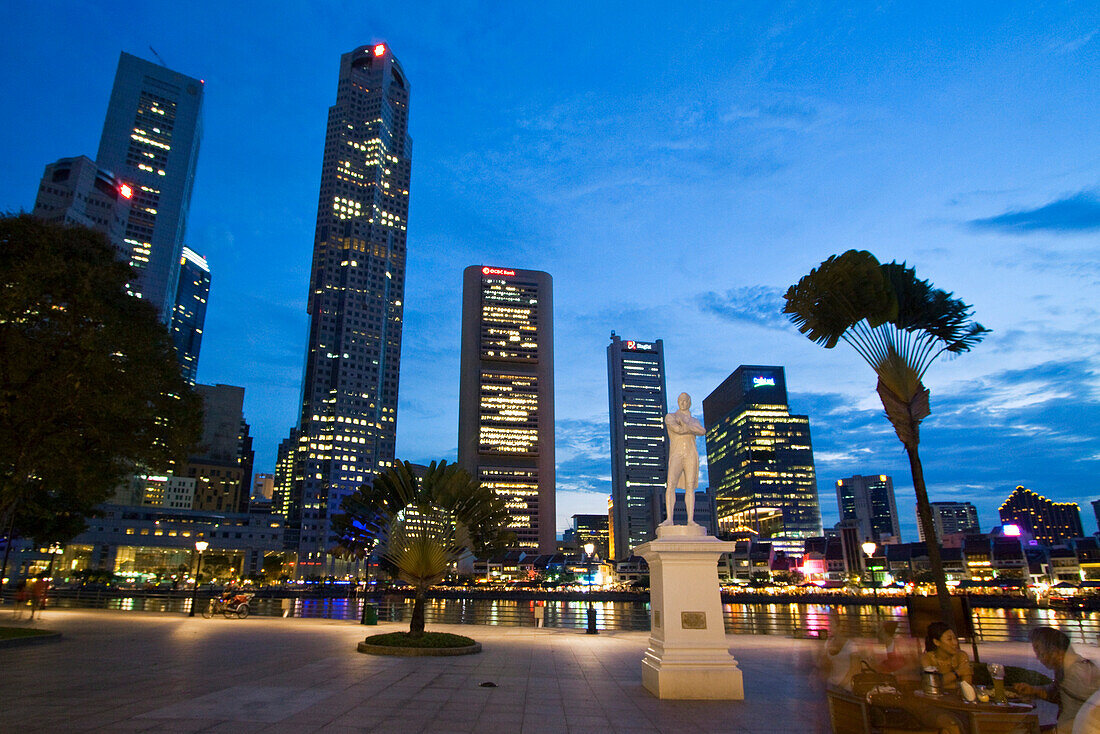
(997, 673)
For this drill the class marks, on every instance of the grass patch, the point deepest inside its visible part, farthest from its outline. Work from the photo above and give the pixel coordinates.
(427, 640)
(15, 633)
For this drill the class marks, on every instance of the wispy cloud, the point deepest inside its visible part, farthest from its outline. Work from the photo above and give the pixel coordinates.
(1077, 213)
(1068, 47)
(754, 304)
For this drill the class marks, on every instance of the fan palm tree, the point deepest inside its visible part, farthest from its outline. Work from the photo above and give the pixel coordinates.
(899, 325)
(421, 527)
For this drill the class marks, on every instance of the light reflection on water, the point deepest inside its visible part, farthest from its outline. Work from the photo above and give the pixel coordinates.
(766, 618)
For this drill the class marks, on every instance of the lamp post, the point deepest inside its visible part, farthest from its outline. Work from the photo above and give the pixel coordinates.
(869, 548)
(54, 550)
(589, 549)
(200, 546)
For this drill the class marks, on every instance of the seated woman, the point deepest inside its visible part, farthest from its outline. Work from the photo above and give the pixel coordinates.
(942, 652)
(1075, 678)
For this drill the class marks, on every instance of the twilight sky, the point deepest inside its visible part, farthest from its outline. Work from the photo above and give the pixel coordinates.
(675, 168)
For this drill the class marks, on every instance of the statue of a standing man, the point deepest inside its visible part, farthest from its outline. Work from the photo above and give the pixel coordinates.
(683, 458)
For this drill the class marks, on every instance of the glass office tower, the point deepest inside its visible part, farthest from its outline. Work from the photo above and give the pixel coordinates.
(506, 395)
(639, 448)
(189, 315)
(150, 140)
(761, 462)
(348, 424)
(869, 502)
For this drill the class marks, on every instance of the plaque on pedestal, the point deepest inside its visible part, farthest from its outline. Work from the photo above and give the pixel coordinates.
(687, 657)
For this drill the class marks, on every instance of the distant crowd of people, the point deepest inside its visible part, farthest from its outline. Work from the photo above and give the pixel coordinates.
(1074, 690)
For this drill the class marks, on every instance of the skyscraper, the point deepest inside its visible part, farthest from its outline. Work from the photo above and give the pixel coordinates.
(639, 452)
(348, 424)
(869, 502)
(950, 518)
(1047, 521)
(506, 395)
(761, 462)
(222, 462)
(78, 191)
(189, 314)
(151, 141)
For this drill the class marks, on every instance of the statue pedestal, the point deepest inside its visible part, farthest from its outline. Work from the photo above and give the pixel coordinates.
(688, 657)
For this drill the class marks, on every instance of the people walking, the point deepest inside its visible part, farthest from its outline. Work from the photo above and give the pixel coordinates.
(38, 590)
(20, 598)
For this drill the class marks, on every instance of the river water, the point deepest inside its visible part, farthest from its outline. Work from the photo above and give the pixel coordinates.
(786, 619)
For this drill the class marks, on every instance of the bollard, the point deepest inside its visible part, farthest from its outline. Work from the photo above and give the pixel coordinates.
(591, 621)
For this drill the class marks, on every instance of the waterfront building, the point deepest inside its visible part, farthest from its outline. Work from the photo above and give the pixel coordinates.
(222, 464)
(704, 510)
(591, 529)
(951, 518)
(144, 542)
(760, 459)
(77, 191)
(506, 395)
(869, 502)
(150, 140)
(1047, 521)
(189, 314)
(639, 449)
(347, 427)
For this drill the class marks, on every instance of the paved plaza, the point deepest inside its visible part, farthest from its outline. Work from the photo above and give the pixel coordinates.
(122, 672)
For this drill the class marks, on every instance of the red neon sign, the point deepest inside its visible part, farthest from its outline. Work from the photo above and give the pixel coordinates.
(126, 191)
(496, 271)
(380, 50)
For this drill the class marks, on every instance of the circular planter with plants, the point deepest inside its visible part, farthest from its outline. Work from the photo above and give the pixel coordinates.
(425, 644)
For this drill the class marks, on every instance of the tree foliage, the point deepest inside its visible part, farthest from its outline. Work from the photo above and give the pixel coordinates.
(90, 388)
(899, 325)
(421, 527)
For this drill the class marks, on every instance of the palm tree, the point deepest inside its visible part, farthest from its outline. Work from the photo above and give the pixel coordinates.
(899, 325)
(421, 527)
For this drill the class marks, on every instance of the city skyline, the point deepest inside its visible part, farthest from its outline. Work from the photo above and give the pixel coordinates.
(676, 199)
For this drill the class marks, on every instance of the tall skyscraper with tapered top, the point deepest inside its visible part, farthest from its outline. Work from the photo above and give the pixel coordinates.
(506, 395)
(348, 424)
(151, 141)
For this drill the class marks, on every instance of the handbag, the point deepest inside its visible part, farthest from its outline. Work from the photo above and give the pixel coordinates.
(868, 678)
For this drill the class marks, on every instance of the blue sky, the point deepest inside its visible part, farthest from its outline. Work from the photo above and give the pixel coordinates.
(674, 167)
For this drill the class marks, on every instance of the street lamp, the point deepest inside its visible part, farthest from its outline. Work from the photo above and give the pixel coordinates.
(589, 549)
(200, 546)
(54, 550)
(869, 548)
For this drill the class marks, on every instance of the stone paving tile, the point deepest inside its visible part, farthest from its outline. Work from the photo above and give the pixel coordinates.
(161, 672)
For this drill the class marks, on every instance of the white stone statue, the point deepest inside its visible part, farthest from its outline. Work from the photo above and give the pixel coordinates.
(683, 458)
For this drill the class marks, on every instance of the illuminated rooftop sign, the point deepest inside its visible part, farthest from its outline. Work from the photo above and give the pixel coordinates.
(761, 381)
(638, 346)
(1011, 531)
(497, 271)
(380, 50)
(126, 190)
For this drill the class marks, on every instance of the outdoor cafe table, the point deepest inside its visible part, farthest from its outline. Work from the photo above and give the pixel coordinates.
(988, 718)
(851, 714)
